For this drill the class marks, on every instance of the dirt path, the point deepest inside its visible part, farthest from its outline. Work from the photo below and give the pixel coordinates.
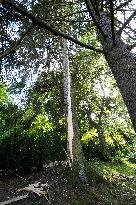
(58, 190)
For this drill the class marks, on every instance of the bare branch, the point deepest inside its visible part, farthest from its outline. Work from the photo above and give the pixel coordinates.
(16, 44)
(124, 10)
(127, 32)
(88, 4)
(112, 21)
(122, 5)
(46, 26)
(129, 28)
(131, 37)
(126, 22)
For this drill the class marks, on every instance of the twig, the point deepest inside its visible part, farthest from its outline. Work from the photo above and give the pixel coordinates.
(17, 175)
(126, 22)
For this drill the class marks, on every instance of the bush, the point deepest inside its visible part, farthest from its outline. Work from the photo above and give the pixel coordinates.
(93, 149)
(19, 153)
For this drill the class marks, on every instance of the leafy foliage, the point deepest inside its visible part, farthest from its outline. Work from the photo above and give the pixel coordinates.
(33, 134)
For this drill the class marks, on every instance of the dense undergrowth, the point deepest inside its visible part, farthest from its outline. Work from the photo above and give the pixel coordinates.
(36, 134)
(20, 152)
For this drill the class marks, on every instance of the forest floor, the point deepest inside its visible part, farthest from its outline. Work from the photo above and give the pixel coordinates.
(114, 184)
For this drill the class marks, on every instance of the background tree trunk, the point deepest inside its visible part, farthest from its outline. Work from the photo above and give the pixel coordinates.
(76, 157)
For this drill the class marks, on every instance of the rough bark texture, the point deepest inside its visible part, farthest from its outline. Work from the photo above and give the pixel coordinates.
(123, 66)
(74, 148)
(119, 58)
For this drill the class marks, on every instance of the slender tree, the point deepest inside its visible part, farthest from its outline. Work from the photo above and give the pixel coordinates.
(75, 155)
(68, 101)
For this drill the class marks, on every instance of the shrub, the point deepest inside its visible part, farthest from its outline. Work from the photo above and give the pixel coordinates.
(19, 152)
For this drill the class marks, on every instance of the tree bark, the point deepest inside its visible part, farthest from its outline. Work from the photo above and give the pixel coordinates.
(123, 66)
(75, 154)
(119, 58)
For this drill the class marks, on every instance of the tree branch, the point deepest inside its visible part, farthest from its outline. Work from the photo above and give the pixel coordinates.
(131, 30)
(126, 22)
(15, 44)
(95, 7)
(133, 38)
(122, 5)
(112, 21)
(88, 5)
(46, 26)
(68, 21)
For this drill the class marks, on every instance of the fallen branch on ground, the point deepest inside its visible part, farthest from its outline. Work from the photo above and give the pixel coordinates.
(36, 188)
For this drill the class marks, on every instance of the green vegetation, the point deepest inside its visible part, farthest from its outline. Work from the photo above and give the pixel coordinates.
(35, 134)
(32, 136)
(114, 184)
(61, 103)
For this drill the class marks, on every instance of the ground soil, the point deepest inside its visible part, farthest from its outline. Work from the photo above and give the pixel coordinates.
(61, 191)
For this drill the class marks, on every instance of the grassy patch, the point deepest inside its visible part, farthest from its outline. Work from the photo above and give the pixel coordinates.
(112, 170)
(121, 181)
(111, 183)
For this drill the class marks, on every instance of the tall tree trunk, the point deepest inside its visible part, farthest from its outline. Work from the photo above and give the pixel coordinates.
(119, 58)
(123, 66)
(75, 154)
